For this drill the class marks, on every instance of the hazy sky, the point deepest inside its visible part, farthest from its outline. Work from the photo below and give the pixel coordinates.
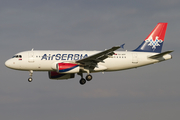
(146, 93)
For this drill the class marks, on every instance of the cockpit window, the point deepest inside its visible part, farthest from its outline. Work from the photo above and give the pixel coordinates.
(17, 56)
(14, 56)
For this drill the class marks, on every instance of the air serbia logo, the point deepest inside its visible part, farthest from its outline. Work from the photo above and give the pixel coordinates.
(154, 43)
(63, 56)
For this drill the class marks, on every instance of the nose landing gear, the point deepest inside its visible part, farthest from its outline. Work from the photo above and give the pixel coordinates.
(30, 79)
(30, 74)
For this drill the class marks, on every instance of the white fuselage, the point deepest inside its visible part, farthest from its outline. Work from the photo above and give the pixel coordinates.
(64, 64)
(47, 60)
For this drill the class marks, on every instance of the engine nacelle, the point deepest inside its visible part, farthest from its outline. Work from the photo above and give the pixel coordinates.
(67, 68)
(58, 76)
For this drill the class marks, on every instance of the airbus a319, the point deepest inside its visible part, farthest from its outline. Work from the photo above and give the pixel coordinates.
(65, 64)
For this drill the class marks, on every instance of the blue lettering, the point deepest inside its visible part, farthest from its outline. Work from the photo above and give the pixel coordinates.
(44, 57)
(58, 56)
(76, 57)
(70, 57)
(49, 58)
(64, 56)
(81, 56)
(85, 56)
(52, 57)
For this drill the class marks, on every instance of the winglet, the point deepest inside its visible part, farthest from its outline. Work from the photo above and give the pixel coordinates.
(122, 46)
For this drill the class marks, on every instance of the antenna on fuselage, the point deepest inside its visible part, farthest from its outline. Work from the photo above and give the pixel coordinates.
(32, 49)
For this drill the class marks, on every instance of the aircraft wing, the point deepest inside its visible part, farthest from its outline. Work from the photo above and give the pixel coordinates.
(99, 57)
(160, 55)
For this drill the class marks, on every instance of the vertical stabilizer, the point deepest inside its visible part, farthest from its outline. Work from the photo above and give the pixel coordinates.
(154, 41)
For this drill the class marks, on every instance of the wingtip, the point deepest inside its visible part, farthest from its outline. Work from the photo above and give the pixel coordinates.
(122, 46)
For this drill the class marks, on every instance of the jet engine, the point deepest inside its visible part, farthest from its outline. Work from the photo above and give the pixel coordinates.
(58, 76)
(67, 68)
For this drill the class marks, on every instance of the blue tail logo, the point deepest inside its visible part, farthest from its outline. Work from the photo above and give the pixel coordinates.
(154, 43)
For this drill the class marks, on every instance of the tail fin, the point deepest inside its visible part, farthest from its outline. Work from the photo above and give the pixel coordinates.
(154, 41)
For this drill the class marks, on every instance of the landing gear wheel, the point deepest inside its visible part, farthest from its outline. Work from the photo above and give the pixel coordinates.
(89, 77)
(30, 74)
(82, 81)
(30, 79)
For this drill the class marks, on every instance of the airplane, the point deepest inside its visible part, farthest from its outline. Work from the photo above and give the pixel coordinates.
(65, 64)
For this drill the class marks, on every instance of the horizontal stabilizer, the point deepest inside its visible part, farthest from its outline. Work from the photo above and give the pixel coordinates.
(160, 54)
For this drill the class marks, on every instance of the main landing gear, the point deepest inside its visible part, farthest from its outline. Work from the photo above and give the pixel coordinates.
(30, 74)
(82, 80)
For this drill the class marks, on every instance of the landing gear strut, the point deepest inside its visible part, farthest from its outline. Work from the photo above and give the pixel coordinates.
(30, 74)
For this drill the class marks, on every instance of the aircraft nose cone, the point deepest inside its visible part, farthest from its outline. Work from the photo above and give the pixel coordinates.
(7, 64)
